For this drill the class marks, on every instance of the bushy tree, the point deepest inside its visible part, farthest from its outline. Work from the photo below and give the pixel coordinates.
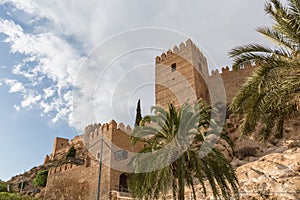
(71, 153)
(3, 186)
(41, 179)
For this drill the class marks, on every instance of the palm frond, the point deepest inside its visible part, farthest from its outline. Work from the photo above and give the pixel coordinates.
(175, 151)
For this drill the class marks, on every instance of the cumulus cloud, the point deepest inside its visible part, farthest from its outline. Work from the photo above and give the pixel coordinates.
(30, 100)
(48, 61)
(62, 34)
(14, 86)
(48, 92)
(17, 108)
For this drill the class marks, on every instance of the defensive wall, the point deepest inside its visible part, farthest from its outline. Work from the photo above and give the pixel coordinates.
(182, 74)
(79, 181)
(72, 181)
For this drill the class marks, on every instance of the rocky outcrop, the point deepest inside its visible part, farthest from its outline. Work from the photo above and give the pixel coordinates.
(265, 170)
(26, 179)
(274, 176)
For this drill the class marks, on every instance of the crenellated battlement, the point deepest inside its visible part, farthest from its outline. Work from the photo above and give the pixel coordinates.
(126, 129)
(94, 132)
(183, 71)
(62, 168)
(232, 79)
(226, 70)
(77, 178)
(178, 50)
(91, 129)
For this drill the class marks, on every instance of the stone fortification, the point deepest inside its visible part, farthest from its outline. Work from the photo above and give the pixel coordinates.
(181, 74)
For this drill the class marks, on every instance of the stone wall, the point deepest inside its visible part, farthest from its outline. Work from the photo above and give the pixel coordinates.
(116, 138)
(59, 144)
(181, 75)
(232, 80)
(72, 182)
(79, 181)
(177, 79)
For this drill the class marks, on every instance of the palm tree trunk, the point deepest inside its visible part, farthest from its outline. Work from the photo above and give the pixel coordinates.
(180, 195)
(180, 182)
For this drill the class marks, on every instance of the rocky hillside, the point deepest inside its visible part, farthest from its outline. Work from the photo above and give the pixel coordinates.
(249, 148)
(269, 170)
(27, 178)
(274, 176)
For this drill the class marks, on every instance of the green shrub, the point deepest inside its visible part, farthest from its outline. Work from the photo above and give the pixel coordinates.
(41, 179)
(13, 196)
(71, 153)
(3, 186)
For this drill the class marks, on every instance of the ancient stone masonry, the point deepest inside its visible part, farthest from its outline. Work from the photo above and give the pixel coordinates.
(63, 179)
(232, 80)
(114, 133)
(59, 144)
(70, 181)
(182, 75)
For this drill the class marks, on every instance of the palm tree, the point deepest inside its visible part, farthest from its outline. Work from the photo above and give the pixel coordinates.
(178, 154)
(270, 95)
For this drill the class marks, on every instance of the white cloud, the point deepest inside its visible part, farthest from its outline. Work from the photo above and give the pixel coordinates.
(46, 107)
(17, 108)
(30, 100)
(55, 57)
(14, 86)
(27, 6)
(47, 56)
(48, 92)
(54, 50)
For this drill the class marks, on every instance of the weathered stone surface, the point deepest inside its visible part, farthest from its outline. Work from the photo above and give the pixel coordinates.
(272, 176)
(265, 170)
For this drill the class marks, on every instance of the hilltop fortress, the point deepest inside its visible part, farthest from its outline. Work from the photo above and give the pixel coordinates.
(181, 74)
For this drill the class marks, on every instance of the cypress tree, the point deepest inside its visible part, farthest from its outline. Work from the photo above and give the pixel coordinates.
(138, 117)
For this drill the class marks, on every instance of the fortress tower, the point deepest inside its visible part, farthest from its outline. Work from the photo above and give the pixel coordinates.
(180, 76)
(60, 143)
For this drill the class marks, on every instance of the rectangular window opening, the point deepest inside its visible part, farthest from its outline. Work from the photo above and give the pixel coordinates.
(173, 66)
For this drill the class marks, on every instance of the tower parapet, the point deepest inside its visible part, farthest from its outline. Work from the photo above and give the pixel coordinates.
(198, 57)
(180, 75)
(110, 131)
(232, 79)
(59, 144)
(226, 70)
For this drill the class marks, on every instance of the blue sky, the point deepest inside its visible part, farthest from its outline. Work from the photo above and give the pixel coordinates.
(44, 46)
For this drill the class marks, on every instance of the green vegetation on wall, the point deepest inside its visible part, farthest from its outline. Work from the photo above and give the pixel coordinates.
(71, 153)
(41, 179)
